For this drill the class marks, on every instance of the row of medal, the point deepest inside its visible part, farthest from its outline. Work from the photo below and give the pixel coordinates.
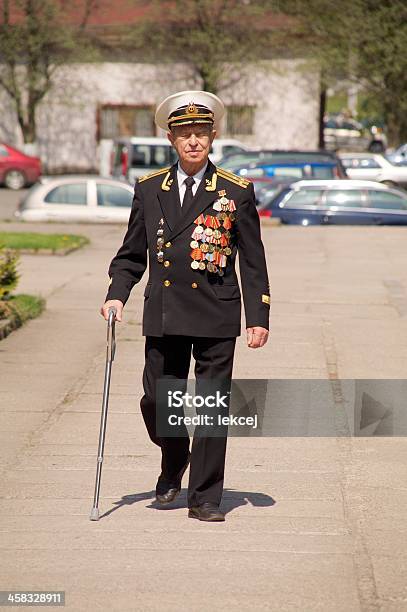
(210, 245)
(224, 204)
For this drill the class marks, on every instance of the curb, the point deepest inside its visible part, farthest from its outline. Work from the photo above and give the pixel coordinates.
(17, 318)
(48, 251)
(7, 326)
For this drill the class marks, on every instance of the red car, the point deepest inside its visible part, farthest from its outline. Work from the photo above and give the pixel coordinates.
(17, 169)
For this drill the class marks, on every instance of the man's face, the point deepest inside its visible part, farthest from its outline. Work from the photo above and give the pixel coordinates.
(192, 142)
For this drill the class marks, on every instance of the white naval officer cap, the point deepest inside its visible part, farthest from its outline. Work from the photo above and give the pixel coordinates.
(186, 107)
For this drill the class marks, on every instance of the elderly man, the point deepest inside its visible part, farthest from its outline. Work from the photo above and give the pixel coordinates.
(191, 220)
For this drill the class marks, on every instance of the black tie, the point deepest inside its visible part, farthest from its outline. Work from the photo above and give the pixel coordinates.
(188, 196)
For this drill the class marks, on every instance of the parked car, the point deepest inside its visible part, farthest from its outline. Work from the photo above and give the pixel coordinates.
(346, 133)
(222, 147)
(266, 187)
(289, 169)
(374, 167)
(250, 159)
(17, 170)
(243, 158)
(77, 199)
(344, 202)
(132, 157)
(399, 156)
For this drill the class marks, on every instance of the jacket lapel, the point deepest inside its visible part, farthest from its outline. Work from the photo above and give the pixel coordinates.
(168, 195)
(204, 196)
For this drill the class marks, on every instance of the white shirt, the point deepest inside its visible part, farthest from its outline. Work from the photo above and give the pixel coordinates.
(181, 176)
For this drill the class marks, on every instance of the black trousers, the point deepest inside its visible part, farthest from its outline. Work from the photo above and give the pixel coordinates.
(170, 357)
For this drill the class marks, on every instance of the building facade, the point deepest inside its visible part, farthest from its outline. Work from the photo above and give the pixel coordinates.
(271, 104)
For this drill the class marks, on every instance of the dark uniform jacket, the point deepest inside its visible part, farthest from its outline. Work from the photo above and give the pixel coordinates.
(192, 288)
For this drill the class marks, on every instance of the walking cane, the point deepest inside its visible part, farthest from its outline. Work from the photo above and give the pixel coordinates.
(110, 351)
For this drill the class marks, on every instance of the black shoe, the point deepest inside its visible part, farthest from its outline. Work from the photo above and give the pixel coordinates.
(166, 491)
(206, 512)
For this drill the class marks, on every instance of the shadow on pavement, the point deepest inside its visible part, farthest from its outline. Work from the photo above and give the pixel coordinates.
(231, 499)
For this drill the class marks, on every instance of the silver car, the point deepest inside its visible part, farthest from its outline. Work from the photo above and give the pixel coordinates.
(373, 167)
(88, 199)
(399, 156)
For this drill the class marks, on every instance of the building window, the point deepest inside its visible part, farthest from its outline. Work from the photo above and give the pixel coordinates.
(118, 121)
(239, 120)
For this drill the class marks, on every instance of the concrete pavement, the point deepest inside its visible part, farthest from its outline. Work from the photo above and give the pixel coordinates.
(312, 524)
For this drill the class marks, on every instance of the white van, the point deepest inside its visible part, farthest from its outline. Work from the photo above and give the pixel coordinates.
(132, 157)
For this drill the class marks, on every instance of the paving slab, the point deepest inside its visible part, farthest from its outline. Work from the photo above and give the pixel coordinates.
(313, 523)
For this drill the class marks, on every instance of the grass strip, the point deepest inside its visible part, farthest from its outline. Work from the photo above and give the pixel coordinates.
(34, 241)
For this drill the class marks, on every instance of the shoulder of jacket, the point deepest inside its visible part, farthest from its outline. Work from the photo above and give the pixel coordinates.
(153, 174)
(233, 178)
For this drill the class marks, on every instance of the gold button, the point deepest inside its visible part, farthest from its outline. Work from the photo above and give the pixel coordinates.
(194, 285)
(166, 263)
(168, 244)
(167, 283)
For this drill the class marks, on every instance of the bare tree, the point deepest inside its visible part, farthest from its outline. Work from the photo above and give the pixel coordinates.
(205, 34)
(36, 39)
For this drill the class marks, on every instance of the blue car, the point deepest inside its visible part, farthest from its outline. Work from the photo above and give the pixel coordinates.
(343, 202)
(294, 170)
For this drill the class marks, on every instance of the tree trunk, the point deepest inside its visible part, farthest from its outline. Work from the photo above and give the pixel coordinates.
(395, 125)
(209, 78)
(26, 115)
(322, 109)
(31, 131)
(28, 128)
(403, 132)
